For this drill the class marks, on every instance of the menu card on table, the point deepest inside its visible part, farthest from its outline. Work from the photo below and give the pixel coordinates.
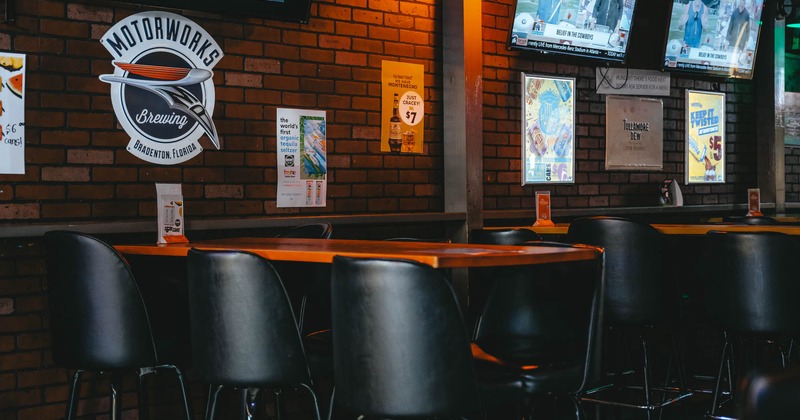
(754, 202)
(170, 213)
(543, 209)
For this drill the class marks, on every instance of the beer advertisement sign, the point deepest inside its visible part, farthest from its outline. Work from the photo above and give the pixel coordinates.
(402, 107)
(705, 137)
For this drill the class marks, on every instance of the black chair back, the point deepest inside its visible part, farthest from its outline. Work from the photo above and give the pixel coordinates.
(97, 316)
(546, 315)
(311, 230)
(534, 313)
(243, 329)
(751, 281)
(517, 236)
(244, 332)
(400, 346)
(634, 267)
(482, 278)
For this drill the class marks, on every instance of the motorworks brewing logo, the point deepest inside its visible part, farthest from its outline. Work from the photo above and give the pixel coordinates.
(161, 89)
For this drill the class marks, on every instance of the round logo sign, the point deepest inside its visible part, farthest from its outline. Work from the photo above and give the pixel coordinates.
(162, 89)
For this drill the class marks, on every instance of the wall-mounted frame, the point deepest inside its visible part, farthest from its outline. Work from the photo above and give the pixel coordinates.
(548, 127)
(705, 137)
(634, 133)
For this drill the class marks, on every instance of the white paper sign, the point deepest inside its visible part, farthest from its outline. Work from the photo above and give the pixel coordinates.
(302, 158)
(12, 113)
(170, 213)
(615, 81)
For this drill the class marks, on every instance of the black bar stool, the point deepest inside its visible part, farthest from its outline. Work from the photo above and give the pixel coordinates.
(98, 318)
(751, 290)
(634, 305)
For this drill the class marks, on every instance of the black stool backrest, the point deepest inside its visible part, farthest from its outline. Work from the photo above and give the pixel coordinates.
(751, 281)
(502, 236)
(243, 330)
(399, 342)
(98, 319)
(550, 308)
(634, 266)
(311, 230)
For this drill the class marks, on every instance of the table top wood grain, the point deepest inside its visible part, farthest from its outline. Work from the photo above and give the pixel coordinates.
(435, 254)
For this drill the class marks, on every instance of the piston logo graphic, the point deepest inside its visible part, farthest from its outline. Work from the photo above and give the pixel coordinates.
(162, 88)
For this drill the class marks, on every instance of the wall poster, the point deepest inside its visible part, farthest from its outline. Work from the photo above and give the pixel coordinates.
(634, 133)
(548, 127)
(402, 107)
(302, 158)
(705, 137)
(12, 113)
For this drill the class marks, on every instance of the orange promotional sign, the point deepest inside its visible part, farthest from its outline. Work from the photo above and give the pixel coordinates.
(543, 209)
(754, 202)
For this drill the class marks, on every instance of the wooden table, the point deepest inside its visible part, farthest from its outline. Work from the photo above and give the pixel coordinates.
(677, 229)
(435, 254)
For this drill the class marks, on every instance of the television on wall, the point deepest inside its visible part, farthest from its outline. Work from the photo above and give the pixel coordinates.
(586, 28)
(284, 10)
(713, 37)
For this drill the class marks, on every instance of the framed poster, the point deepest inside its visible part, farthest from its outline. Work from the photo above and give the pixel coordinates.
(705, 137)
(12, 113)
(634, 133)
(548, 127)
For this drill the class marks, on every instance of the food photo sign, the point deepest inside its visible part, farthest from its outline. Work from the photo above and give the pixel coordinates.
(548, 127)
(12, 113)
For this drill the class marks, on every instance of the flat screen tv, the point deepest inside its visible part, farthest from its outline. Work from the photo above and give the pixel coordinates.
(284, 10)
(713, 37)
(587, 28)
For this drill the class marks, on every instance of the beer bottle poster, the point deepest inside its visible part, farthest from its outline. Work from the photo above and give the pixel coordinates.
(302, 158)
(402, 107)
(12, 113)
(548, 127)
(705, 137)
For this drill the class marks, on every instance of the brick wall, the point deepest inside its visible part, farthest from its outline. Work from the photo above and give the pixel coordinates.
(77, 166)
(594, 186)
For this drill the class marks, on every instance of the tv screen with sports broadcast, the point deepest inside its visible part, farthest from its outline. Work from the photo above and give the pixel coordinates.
(714, 37)
(587, 28)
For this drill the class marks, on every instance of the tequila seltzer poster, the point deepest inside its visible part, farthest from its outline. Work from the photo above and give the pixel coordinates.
(403, 107)
(705, 137)
(12, 113)
(302, 158)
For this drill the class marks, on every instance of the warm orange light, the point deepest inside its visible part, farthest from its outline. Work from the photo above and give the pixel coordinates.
(479, 354)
